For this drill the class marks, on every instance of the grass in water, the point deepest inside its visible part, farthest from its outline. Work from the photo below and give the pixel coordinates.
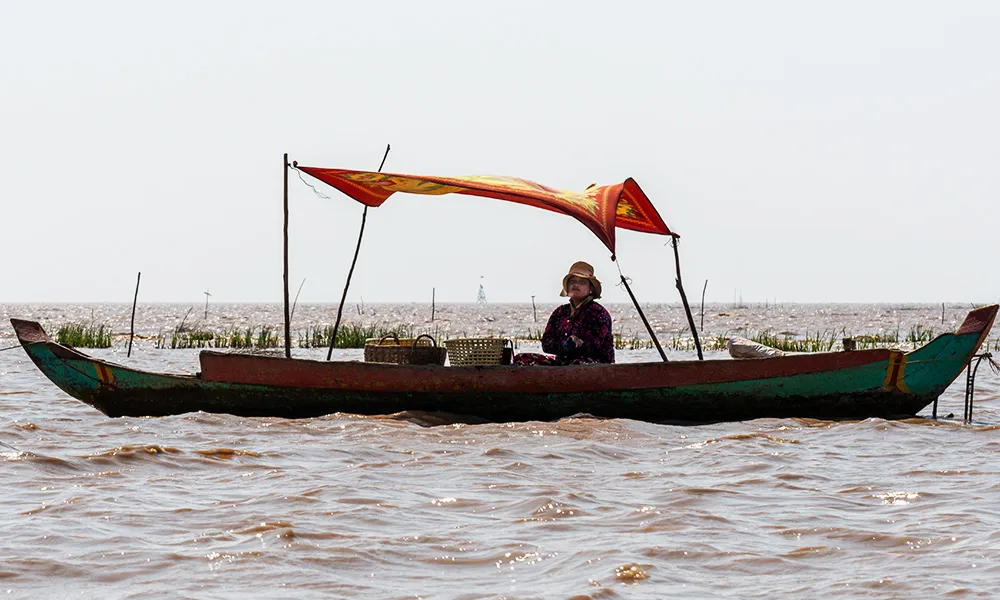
(355, 335)
(629, 343)
(535, 334)
(84, 336)
(720, 343)
(236, 338)
(820, 341)
(352, 335)
(919, 335)
(349, 335)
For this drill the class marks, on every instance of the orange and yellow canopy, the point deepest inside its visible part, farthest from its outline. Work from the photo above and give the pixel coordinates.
(601, 209)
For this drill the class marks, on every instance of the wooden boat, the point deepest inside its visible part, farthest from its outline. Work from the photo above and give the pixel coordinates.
(835, 385)
(842, 385)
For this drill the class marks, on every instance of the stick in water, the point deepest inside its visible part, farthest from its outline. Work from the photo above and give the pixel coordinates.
(288, 316)
(296, 301)
(702, 326)
(131, 329)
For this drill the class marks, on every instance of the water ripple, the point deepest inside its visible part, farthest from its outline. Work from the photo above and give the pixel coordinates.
(420, 505)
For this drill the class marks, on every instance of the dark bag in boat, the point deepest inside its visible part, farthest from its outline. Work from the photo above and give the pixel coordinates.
(413, 354)
(507, 354)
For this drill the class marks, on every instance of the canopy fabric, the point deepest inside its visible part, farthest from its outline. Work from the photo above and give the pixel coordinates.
(600, 208)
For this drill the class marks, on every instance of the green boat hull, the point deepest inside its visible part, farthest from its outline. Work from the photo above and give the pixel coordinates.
(843, 385)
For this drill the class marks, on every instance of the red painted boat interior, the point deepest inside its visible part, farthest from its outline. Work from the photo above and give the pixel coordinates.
(262, 370)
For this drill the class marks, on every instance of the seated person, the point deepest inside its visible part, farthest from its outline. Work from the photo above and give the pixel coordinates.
(578, 332)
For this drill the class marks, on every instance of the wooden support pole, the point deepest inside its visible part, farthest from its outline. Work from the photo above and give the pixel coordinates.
(131, 328)
(702, 326)
(296, 300)
(649, 328)
(343, 298)
(684, 300)
(288, 316)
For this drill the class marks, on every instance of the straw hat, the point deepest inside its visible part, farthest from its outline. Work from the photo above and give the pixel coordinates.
(584, 271)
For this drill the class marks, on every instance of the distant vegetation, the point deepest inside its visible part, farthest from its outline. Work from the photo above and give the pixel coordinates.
(354, 335)
(349, 335)
(828, 341)
(250, 337)
(84, 336)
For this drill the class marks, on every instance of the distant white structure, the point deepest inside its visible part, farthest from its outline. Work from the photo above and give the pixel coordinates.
(481, 299)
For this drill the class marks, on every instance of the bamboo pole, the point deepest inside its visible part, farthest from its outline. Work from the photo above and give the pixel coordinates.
(288, 316)
(684, 300)
(433, 291)
(131, 328)
(296, 300)
(702, 325)
(343, 298)
(642, 316)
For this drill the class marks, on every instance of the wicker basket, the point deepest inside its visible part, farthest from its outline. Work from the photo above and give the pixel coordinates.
(391, 340)
(417, 352)
(476, 351)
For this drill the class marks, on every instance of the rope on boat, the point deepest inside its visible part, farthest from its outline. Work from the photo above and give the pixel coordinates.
(11, 348)
(624, 280)
(638, 307)
(6, 445)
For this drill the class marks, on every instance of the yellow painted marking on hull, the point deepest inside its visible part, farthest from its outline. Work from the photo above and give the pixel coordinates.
(103, 374)
(895, 372)
(900, 376)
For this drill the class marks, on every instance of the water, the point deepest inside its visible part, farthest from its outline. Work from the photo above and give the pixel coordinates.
(215, 506)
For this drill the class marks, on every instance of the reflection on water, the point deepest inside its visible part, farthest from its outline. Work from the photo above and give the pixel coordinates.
(217, 506)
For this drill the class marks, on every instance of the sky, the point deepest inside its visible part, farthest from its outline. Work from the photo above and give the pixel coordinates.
(805, 152)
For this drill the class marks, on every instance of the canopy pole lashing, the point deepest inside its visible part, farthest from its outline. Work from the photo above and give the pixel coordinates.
(288, 317)
(970, 385)
(684, 300)
(642, 315)
(350, 273)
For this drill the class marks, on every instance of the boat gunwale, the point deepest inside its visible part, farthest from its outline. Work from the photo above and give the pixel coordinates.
(262, 371)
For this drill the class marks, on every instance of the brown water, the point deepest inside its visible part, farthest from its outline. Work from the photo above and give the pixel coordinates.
(214, 506)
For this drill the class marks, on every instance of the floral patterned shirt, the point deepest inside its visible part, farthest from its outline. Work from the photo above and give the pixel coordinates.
(591, 323)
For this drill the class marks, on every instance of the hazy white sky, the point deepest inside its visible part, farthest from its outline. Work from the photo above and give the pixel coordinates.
(805, 151)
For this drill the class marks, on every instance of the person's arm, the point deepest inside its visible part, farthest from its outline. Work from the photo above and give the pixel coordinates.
(550, 343)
